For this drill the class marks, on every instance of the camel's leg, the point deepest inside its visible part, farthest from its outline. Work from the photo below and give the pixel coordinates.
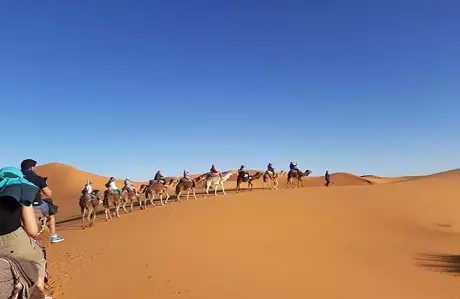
(83, 217)
(124, 206)
(207, 188)
(178, 197)
(223, 189)
(94, 215)
(161, 199)
(167, 197)
(301, 182)
(107, 214)
(90, 219)
(194, 195)
(188, 193)
(117, 210)
(132, 205)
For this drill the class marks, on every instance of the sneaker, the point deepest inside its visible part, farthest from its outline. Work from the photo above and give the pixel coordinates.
(56, 239)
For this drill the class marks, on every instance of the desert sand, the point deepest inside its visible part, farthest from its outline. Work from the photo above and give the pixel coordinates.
(365, 237)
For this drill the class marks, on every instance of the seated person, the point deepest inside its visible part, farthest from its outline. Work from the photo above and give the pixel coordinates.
(187, 175)
(242, 172)
(28, 167)
(293, 167)
(112, 186)
(129, 186)
(159, 177)
(213, 170)
(88, 189)
(18, 223)
(271, 169)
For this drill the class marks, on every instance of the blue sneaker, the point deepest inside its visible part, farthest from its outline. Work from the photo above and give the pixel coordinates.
(56, 239)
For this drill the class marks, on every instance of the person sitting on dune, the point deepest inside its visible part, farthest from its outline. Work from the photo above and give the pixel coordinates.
(46, 204)
(293, 167)
(159, 177)
(270, 169)
(18, 224)
(129, 186)
(112, 186)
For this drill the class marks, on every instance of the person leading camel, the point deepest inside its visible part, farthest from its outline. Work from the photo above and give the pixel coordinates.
(18, 224)
(327, 177)
(45, 204)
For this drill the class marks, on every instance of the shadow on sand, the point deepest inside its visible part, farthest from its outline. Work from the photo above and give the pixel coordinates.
(446, 263)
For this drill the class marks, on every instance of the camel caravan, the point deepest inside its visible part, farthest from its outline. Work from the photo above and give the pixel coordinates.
(161, 188)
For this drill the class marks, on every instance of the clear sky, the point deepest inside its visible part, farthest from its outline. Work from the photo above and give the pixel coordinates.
(123, 88)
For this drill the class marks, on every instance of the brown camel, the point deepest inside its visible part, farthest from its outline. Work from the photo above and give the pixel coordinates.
(128, 197)
(88, 204)
(112, 198)
(270, 177)
(296, 175)
(189, 186)
(156, 188)
(247, 178)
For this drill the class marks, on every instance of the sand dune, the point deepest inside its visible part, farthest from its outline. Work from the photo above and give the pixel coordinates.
(396, 241)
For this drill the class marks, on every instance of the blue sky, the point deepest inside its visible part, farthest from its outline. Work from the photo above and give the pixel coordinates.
(123, 88)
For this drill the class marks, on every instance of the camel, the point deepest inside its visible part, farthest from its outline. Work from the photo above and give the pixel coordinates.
(156, 188)
(89, 205)
(271, 177)
(112, 198)
(214, 181)
(296, 175)
(128, 197)
(187, 185)
(247, 179)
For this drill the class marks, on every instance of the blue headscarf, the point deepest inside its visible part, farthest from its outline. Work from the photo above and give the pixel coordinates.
(13, 184)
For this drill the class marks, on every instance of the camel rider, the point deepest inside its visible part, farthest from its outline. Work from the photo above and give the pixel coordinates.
(129, 186)
(293, 167)
(213, 170)
(159, 177)
(187, 175)
(89, 189)
(242, 172)
(271, 169)
(112, 186)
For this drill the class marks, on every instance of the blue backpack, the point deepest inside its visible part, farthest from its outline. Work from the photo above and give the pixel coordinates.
(13, 184)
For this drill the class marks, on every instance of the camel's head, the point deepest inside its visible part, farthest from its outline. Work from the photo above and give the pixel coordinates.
(308, 172)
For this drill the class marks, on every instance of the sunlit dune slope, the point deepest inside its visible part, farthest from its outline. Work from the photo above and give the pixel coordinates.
(377, 241)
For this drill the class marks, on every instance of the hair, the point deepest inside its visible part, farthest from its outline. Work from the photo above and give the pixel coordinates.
(28, 164)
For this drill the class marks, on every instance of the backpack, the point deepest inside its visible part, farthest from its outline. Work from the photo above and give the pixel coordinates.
(17, 279)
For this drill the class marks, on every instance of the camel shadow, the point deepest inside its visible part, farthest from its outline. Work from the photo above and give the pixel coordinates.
(445, 263)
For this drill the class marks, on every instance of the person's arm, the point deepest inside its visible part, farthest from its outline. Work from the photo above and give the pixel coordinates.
(44, 188)
(29, 223)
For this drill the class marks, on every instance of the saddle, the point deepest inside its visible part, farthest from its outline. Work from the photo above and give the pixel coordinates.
(17, 278)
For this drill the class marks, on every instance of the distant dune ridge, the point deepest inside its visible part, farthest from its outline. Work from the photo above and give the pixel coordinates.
(372, 237)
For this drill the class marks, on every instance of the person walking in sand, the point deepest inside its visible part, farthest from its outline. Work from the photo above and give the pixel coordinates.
(327, 177)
